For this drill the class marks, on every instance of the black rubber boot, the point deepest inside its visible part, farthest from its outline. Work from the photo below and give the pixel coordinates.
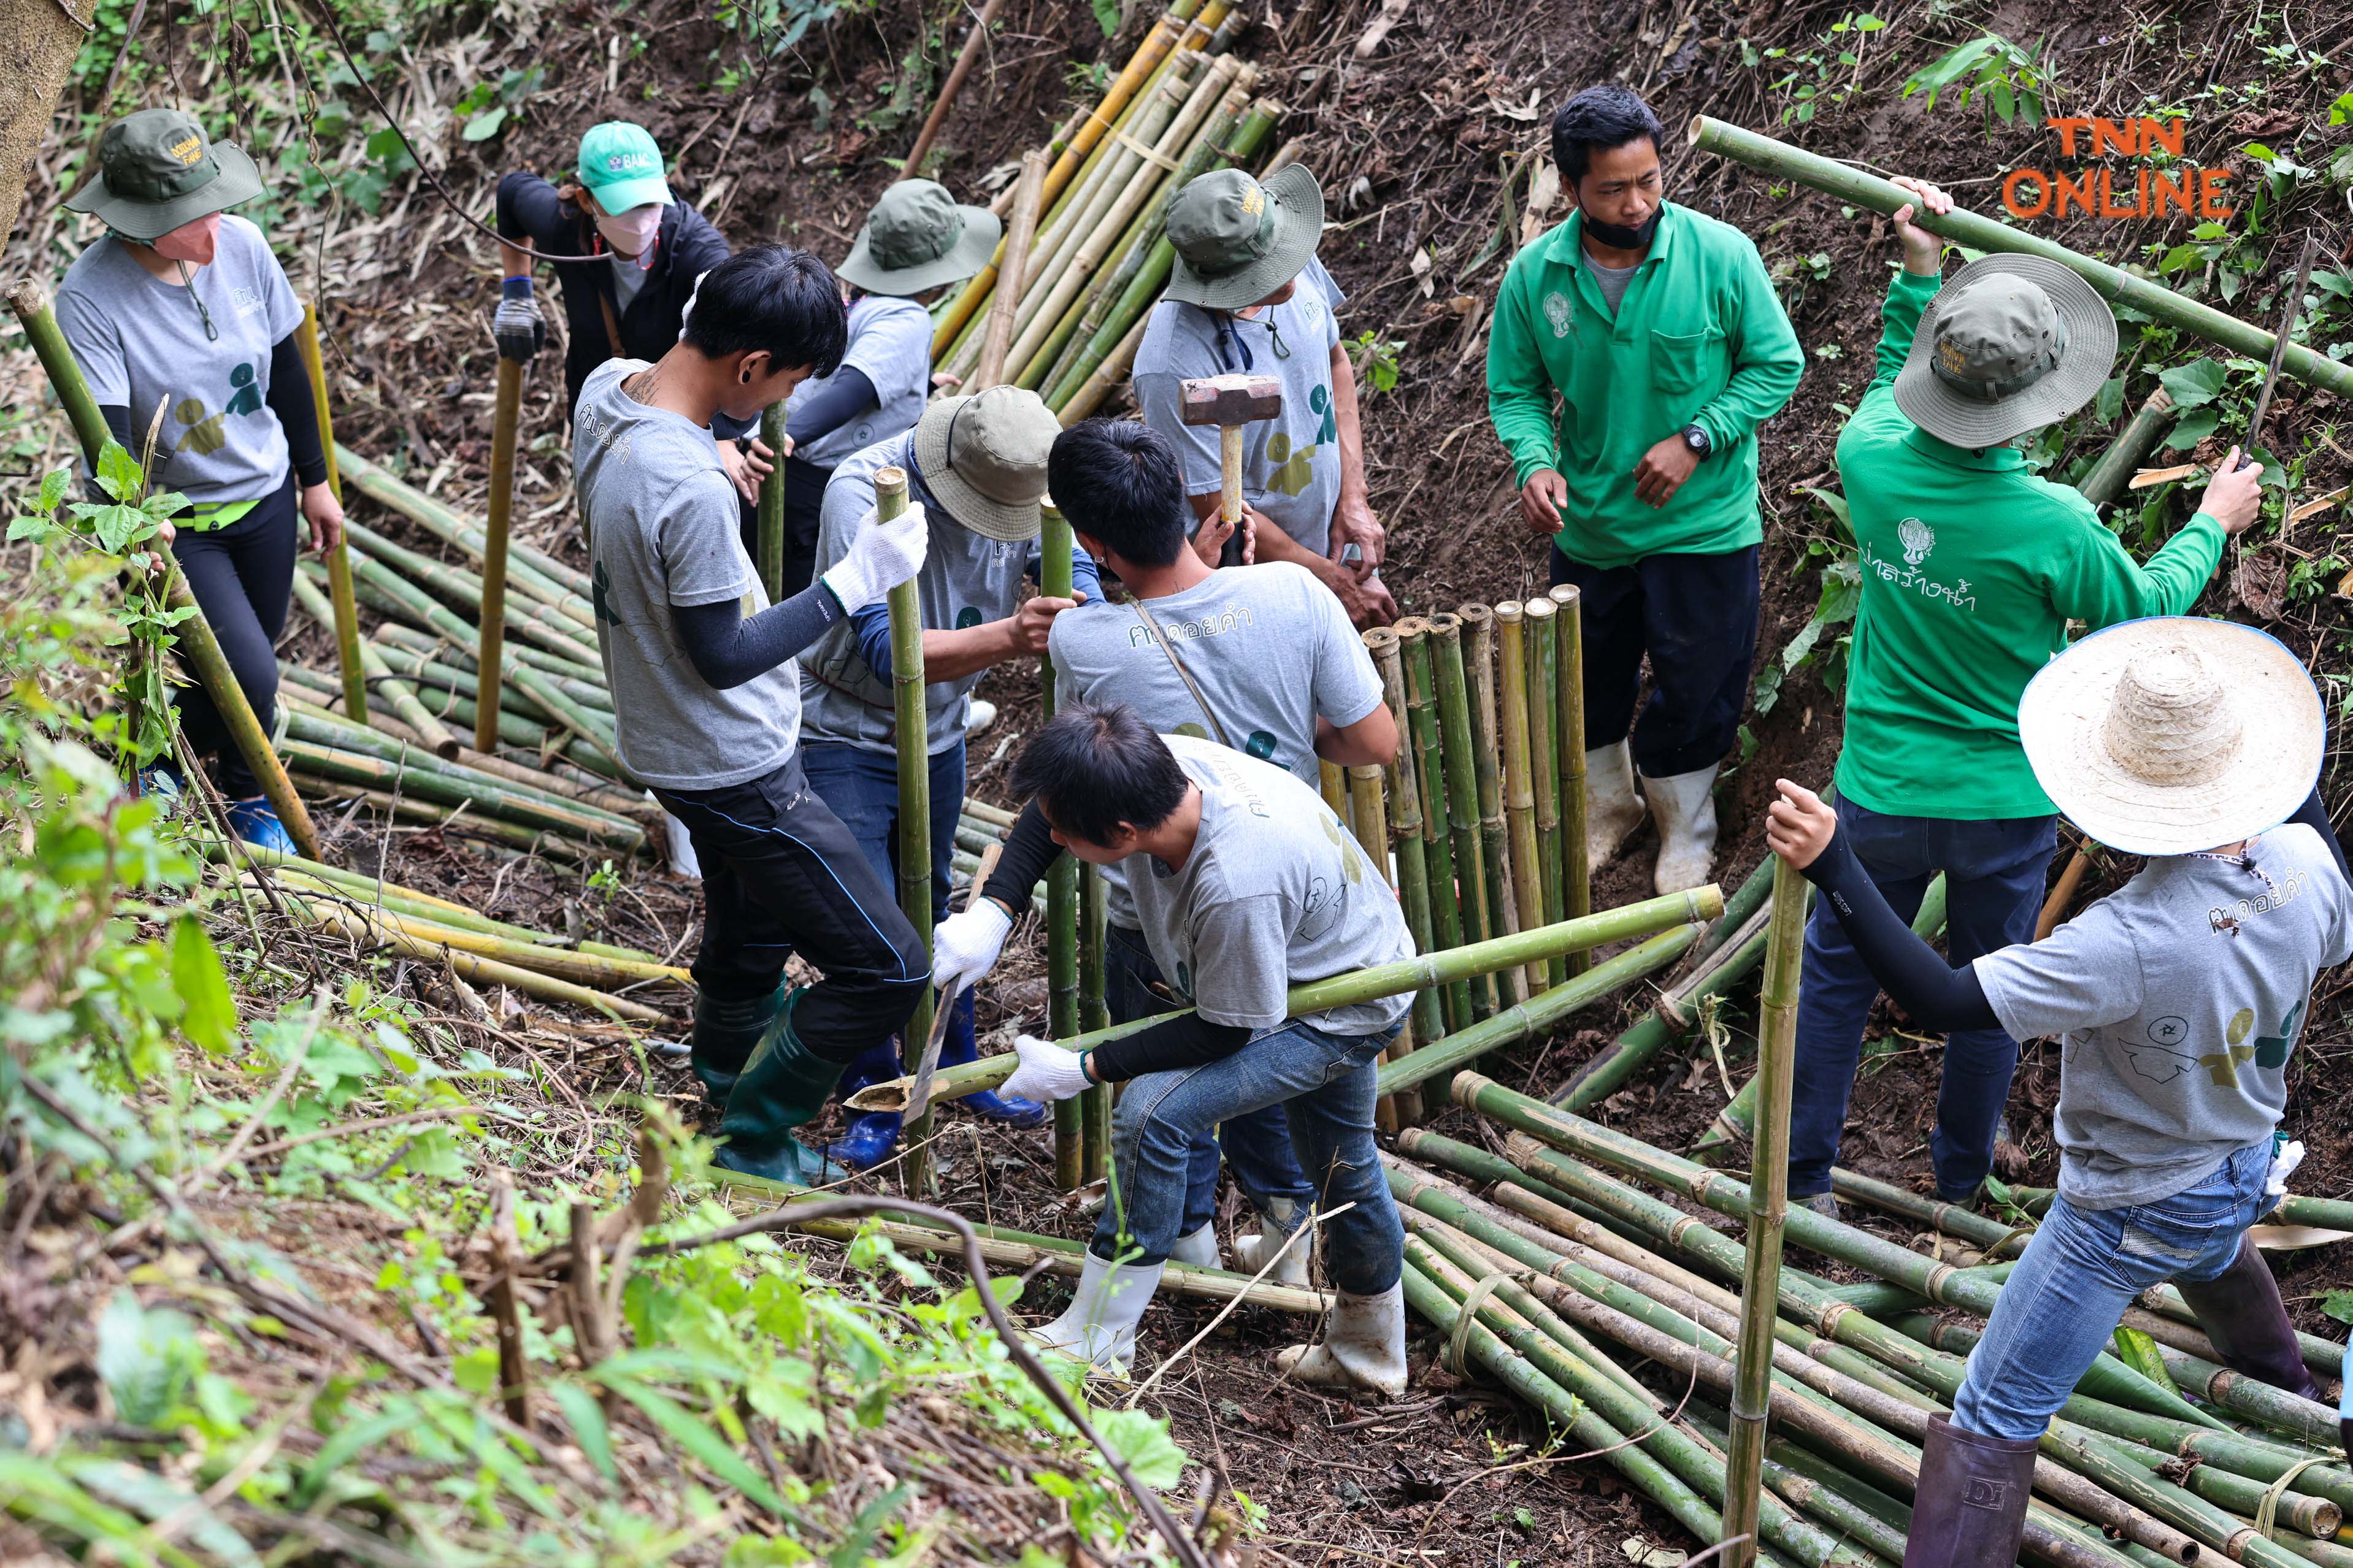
(783, 1087)
(2240, 1310)
(727, 1030)
(1970, 1510)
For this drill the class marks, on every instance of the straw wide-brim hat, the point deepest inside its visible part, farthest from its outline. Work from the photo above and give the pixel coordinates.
(984, 456)
(2174, 734)
(1966, 414)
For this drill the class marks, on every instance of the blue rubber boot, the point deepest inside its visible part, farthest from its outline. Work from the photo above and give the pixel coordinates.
(727, 1030)
(869, 1138)
(960, 1047)
(783, 1087)
(258, 825)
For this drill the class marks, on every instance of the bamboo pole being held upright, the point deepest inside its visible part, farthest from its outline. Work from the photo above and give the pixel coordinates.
(914, 811)
(505, 425)
(1061, 891)
(1368, 819)
(1029, 193)
(1769, 1202)
(1095, 1013)
(339, 559)
(1437, 848)
(772, 505)
(193, 633)
(1458, 752)
(1519, 791)
(1575, 872)
(1495, 867)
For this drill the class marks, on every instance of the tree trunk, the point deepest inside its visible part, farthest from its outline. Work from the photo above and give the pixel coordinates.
(38, 41)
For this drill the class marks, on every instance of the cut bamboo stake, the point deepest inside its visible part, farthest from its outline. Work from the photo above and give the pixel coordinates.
(1461, 771)
(1368, 821)
(1519, 791)
(965, 57)
(1544, 718)
(1495, 864)
(1399, 781)
(1768, 1193)
(506, 420)
(1669, 915)
(1429, 760)
(1062, 887)
(346, 621)
(591, 970)
(193, 633)
(474, 966)
(340, 735)
(2106, 480)
(772, 505)
(1095, 1104)
(1576, 873)
(447, 525)
(1028, 195)
(373, 670)
(1979, 233)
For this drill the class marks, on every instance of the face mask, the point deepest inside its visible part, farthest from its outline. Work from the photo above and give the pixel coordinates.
(191, 242)
(633, 231)
(1618, 237)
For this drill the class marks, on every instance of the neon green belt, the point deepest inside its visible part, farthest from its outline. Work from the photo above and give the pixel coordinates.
(209, 515)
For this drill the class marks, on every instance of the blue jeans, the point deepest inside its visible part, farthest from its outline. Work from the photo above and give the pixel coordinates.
(1994, 874)
(2081, 1270)
(862, 788)
(1327, 1086)
(1255, 1144)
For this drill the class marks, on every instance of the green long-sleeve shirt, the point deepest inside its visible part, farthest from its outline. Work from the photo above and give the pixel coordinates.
(1700, 338)
(1971, 569)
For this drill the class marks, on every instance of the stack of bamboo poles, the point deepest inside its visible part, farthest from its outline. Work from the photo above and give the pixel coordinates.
(1094, 258)
(1565, 1275)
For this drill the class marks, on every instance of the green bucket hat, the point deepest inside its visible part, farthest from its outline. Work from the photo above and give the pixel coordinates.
(2012, 343)
(1237, 240)
(157, 170)
(985, 458)
(918, 237)
(621, 165)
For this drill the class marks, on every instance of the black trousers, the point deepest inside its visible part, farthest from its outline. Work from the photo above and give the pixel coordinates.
(243, 576)
(1696, 616)
(781, 874)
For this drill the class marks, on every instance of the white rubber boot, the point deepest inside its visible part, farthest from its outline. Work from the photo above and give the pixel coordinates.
(1612, 809)
(1250, 1252)
(1685, 808)
(983, 714)
(1200, 1249)
(1364, 1345)
(1099, 1326)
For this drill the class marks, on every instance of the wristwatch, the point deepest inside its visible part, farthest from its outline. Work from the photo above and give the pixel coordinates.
(1696, 439)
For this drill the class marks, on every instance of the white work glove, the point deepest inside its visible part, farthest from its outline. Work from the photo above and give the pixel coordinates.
(1047, 1073)
(964, 947)
(881, 556)
(2285, 1160)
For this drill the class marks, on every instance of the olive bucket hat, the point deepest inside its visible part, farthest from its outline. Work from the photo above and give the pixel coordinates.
(917, 239)
(1238, 240)
(2012, 343)
(157, 170)
(985, 458)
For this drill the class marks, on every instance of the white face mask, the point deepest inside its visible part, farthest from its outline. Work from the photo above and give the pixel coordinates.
(631, 232)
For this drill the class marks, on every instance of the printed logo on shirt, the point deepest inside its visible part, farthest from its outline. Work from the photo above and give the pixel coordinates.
(2269, 1051)
(1349, 858)
(1957, 593)
(1293, 471)
(1140, 635)
(247, 299)
(208, 432)
(244, 398)
(967, 618)
(1260, 745)
(1320, 400)
(2225, 918)
(1560, 314)
(1326, 905)
(1918, 539)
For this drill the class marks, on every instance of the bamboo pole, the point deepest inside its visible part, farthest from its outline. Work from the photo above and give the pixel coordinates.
(771, 534)
(447, 525)
(1029, 194)
(1458, 755)
(965, 57)
(1576, 870)
(1769, 1199)
(1446, 922)
(193, 633)
(914, 841)
(506, 421)
(373, 669)
(592, 969)
(1400, 782)
(582, 684)
(1095, 1104)
(1519, 791)
(480, 794)
(1062, 886)
(1495, 863)
(1544, 667)
(2114, 284)
(2108, 477)
(477, 967)
(1669, 916)
(372, 892)
(1091, 391)
(568, 618)
(346, 616)
(1368, 819)
(343, 736)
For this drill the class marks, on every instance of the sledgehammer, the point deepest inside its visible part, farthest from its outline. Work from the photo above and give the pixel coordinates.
(1230, 403)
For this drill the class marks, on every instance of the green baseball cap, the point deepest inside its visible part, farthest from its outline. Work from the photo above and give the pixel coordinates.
(917, 239)
(1237, 240)
(2012, 343)
(157, 170)
(622, 166)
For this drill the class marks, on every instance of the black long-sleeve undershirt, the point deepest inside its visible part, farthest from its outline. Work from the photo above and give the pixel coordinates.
(1029, 848)
(290, 399)
(1913, 973)
(846, 396)
(1187, 1040)
(726, 650)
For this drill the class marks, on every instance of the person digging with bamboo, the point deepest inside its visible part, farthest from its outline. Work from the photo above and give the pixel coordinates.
(977, 468)
(1244, 886)
(1658, 332)
(1972, 567)
(1247, 293)
(1260, 659)
(707, 704)
(2177, 1001)
(186, 327)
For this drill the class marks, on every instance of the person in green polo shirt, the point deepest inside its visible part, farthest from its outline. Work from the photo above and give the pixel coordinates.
(1972, 567)
(1659, 334)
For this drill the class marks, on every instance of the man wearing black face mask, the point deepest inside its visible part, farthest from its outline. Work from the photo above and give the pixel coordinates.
(1660, 333)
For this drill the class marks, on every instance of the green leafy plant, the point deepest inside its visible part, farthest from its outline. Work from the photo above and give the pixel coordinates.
(2010, 82)
(1840, 595)
(1374, 359)
(487, 106)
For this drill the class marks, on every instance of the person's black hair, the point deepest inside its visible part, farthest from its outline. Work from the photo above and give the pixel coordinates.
(1595, 120)
(1094, 767)
(772, 298)
(1118, 481)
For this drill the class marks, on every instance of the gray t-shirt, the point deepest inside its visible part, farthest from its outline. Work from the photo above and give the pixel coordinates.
(628, 277)
(140, 341)
(662, 525)
(1275, 894)
(1291, 464)
(891, 342)
(1610, 280)
(2177, 999)
(967, 580)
